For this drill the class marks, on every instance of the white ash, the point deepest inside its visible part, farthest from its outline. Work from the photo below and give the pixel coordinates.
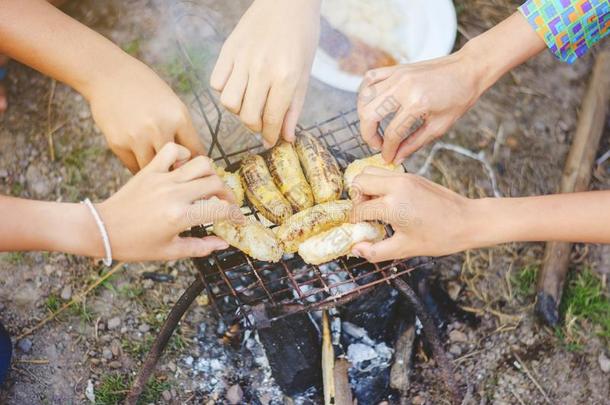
(365, 354)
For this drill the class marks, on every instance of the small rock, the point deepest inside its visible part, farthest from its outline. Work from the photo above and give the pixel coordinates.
(66, 292)
(114, 364)
(458, 336)
(25, 345)
(90, 392)
(3, 173)
(455, 350)
(453, 289)
(94, 361)
(115, 347)
(106, 353)
(417, 400)
(37, 181)
(234, 394)
(167, 396)
(148, 284)
(604, 362)
(114, 323)
(144, 328)
(171, 366)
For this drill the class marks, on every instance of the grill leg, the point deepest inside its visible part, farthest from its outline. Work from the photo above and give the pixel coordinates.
(165, 333)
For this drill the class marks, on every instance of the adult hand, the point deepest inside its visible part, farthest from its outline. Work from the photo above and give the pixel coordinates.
(263, 68)
(138, 113)
(427, 219)
(145, 217)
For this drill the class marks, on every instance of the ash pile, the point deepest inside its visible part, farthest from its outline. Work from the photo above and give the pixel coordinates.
(363, 350)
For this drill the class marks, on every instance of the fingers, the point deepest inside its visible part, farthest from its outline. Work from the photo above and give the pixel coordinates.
(197, 167)
(401, 126)
(416, 141)
(203, 212)
(378, 252)
(370, 210)
(371, 185)
(207, 187)
(294, 112)
(372, 114)
(169, 154)
(222, 70)
(278, 103)
(195, 247)
(254, 104)
(144, 154)
(128, 159)
(233, 92)
(374, 76)
(187, 136)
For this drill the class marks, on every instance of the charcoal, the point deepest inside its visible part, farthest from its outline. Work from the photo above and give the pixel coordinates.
(293, 348)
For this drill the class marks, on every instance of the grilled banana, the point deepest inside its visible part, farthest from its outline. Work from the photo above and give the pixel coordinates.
(262, 191)
(312, 221)
(232, 181)
(252, 238)
(320, 167)
(357, 166)
(338, 241)
(286, 171)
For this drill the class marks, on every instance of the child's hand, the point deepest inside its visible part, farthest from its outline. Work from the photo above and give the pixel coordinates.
(263, 68)
(434, 93)
(144, 218)
(428, 220)
(138, 113)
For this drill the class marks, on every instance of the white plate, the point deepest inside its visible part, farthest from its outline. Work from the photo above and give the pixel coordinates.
(429, 33)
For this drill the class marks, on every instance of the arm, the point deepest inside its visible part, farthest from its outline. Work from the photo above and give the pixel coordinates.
(440, 91)
(430, 220)
(143, 219)
(136, 110)
(263, 68)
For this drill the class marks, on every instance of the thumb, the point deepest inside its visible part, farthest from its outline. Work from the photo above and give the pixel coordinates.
(387, 249)
(169, 154)
(185, 247)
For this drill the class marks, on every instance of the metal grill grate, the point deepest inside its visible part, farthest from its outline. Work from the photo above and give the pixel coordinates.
(240, 287)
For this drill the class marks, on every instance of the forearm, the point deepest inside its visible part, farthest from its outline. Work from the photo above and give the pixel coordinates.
(28, 225)
(41, 36)
(500, 49)
(573, 217)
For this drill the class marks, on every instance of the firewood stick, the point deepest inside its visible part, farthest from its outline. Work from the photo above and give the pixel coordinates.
(328, 362)
(343, 391)
(576, 177)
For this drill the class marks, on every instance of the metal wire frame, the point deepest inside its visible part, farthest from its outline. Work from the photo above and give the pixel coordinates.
(238, 285)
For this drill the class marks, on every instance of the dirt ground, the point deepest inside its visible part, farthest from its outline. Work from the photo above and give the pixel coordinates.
(523, 125)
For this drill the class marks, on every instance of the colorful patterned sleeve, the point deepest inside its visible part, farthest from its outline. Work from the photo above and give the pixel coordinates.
(569, 27)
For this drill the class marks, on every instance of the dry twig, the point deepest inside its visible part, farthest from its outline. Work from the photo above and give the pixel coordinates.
(77, 298)
(531, 377)
(49, 130)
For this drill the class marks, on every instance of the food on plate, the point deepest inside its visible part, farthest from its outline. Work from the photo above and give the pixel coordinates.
(320, 167)
(338, 241)
(233, 181)
(311, 222)
(363, 35)
(357, 166)
(286, 171)
(252, 238)
(262, 191)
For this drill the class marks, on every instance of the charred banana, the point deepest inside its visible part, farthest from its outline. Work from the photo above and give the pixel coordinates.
(252, 238)
(262, 191)
(232, 181)
(320, 167)
(357, 166)
(338, 241)
(312, 221)
(286, 171)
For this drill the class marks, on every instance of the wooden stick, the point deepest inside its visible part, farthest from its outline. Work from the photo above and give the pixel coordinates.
(343, 391)
(328, 362)
(575, 178)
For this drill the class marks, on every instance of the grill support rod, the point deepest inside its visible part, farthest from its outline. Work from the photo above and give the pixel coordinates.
(165, 333)
(432, 337)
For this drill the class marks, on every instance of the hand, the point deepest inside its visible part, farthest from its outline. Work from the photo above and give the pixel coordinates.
(138, 113)
(427, 219)
(426, 98)
(263, 69)
(144, 218)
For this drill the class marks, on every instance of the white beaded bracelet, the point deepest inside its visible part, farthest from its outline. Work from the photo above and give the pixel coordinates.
(100, 225)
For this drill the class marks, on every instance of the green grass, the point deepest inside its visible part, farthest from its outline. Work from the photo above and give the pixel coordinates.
(15, 258)
(53, 302)
(82, 311)
(132, 47)
(114, 387)
(585, 301)
(524, 282)
(137, 349)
